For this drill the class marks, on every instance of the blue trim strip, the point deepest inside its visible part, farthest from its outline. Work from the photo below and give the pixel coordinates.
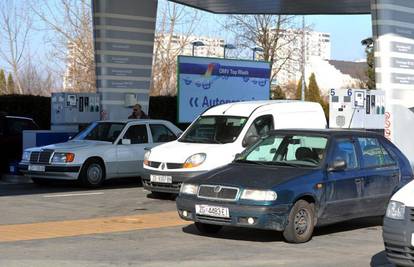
(216, 69)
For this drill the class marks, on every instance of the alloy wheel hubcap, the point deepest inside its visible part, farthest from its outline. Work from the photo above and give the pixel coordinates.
(94, 173)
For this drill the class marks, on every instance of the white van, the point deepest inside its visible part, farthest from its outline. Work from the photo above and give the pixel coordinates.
(221, 132)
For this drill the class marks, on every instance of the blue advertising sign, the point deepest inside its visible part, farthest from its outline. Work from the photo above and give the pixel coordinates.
(206, 82)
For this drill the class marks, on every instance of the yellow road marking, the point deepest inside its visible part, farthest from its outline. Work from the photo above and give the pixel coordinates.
(45, 230)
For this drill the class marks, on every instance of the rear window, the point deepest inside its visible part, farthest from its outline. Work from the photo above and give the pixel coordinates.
(374, 154)
(17, 126)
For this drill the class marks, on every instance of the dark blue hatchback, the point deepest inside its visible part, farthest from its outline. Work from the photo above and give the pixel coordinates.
(294, 180)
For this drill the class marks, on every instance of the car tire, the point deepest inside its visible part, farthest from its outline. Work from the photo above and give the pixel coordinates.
(205, 228)
(92, 174)
(40, 181)
(301, 222)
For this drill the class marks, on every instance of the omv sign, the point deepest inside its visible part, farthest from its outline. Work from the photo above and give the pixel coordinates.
(206, 82)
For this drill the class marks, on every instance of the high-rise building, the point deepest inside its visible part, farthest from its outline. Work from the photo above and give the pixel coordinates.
(317, 47)
(182, 45)
(69, 77)
(79, 75)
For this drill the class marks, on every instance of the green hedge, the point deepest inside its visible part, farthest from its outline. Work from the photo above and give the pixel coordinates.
(38, 108)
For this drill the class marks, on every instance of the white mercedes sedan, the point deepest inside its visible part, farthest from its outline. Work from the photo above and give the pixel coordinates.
(104, 150)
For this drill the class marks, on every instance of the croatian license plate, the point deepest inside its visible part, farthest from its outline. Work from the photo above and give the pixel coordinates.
(36, 168)
(164, 179)
(213, 211)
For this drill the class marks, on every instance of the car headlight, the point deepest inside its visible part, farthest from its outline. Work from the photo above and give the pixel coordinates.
(63, 157)
(146, 157)
(395, 210)
(259, 195)
(189, 189)
(195, 160)
(26, 156)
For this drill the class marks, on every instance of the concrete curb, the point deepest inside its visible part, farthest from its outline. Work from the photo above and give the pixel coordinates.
(15, 179)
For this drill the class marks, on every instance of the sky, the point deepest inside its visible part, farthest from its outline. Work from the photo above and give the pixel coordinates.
(346, 31)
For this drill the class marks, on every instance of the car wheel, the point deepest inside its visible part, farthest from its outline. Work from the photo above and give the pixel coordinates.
(40, 181)
(92, 174)
(208, 228)
(301, 222)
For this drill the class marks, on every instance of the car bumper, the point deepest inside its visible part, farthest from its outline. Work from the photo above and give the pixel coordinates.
(52, 172)
(265, 217)
(177, 179)
(398, 241)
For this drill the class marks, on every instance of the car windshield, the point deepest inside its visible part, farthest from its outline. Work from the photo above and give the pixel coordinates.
(287, 150)
(214, 130)
(101, 131)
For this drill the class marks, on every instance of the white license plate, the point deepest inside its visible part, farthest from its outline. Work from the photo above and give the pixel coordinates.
(161, 179)
(36, 168)
(213, 211)
(412, 239)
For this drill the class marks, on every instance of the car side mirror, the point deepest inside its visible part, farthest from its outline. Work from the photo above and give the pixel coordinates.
(126, 141)
(337, 165)
(237, 156)
(250, 140)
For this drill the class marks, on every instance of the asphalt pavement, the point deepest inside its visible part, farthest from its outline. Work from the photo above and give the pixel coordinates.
(123, 225)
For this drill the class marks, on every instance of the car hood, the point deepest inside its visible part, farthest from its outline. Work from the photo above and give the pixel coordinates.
(71, 146)
(178, 152)
(251, 176)
(404, 195)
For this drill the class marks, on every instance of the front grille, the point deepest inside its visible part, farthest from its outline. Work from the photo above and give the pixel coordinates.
(41, 157)
(212, 219)
(412, 214)
(218, 192)
(174, 185)
(172, 166)
(154, 164)
(399, 252)
(34, 157)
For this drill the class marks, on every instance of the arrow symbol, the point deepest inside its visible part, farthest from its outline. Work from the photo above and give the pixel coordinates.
(194, 102)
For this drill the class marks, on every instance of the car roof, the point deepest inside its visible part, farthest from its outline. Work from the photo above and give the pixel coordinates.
(326, 132)
(245, 109)
(135, 120)
(18, 117)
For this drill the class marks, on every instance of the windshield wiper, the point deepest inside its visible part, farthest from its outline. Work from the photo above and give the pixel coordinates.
(187, 140)
(204, 141)
(249, 162)
(284, 163)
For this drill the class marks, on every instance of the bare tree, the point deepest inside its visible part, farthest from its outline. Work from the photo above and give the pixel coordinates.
(174, 33)
(37, 80)
(276, 35)
(71, 24)
(15, 26)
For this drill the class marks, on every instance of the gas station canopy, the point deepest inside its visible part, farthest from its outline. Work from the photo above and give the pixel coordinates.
(297, 7)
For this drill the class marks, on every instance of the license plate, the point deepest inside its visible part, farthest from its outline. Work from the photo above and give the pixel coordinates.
(213, 211)
(36, 168)
(164, 179)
